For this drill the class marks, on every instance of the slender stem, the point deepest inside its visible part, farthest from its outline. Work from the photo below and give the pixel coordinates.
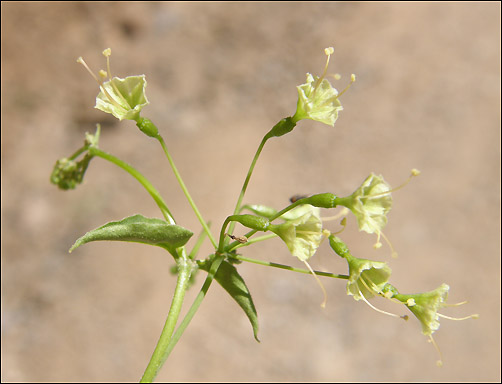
(159, 354)
(198, 243)
(283, 127)
(221, 243)
(185, 191)
(246, 182)
(138, 176)
(195, 306)
(288, 267)
(78, 152)
(248, 176)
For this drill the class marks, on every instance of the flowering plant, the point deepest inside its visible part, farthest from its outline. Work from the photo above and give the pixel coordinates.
(299, 224)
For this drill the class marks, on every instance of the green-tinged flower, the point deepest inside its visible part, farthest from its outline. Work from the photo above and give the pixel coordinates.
(317, 99)
(370, 203)
(425, 307)
(302, 231)
(366, 277)
(123, 98)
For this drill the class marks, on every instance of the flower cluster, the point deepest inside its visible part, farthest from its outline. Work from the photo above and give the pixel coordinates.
(368, 279)
(301, 226)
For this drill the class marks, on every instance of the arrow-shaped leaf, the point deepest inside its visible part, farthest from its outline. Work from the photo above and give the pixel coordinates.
(139, 229)
(228, 277)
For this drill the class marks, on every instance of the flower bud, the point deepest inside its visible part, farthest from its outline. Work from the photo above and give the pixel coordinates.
(67, 173)
(338, 246)
(146, 126)
(281, 128)
(322, 200)
(250, 221)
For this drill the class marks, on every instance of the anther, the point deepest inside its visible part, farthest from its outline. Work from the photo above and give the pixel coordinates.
(323, 304)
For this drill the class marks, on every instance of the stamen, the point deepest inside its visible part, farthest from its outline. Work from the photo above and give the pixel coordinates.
(474, 316)
(352, 80)
(414, 173)
(343, 222)
(107, 53)
(394, 253)
(375, 288)
(455, 305)
(375, 308)
(80, 60)
(378, 244)
(342, 213)
(325, 234)
(323, 304)
(328, 51)
(439, 363)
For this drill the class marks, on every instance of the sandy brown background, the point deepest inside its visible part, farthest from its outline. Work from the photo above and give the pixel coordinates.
(219, 76)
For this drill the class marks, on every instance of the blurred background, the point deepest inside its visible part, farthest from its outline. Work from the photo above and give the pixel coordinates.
(220, 75)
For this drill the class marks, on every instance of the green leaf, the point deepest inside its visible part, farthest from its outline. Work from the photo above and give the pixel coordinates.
(228, 277)
(139, 229)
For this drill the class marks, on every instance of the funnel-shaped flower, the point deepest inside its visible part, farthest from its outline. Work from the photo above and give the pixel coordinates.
(317, 99)
(370, 203)
(425, 306)
(366, 277)
(123, 98)
(302, 231)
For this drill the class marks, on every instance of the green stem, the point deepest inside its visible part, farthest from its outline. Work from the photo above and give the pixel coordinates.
(185, 191)
(138, 176)
(288, 267)
(78, 152)
(198, 243)
(159, 355)
(248, 177)
(195, 306)
(283, 127)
